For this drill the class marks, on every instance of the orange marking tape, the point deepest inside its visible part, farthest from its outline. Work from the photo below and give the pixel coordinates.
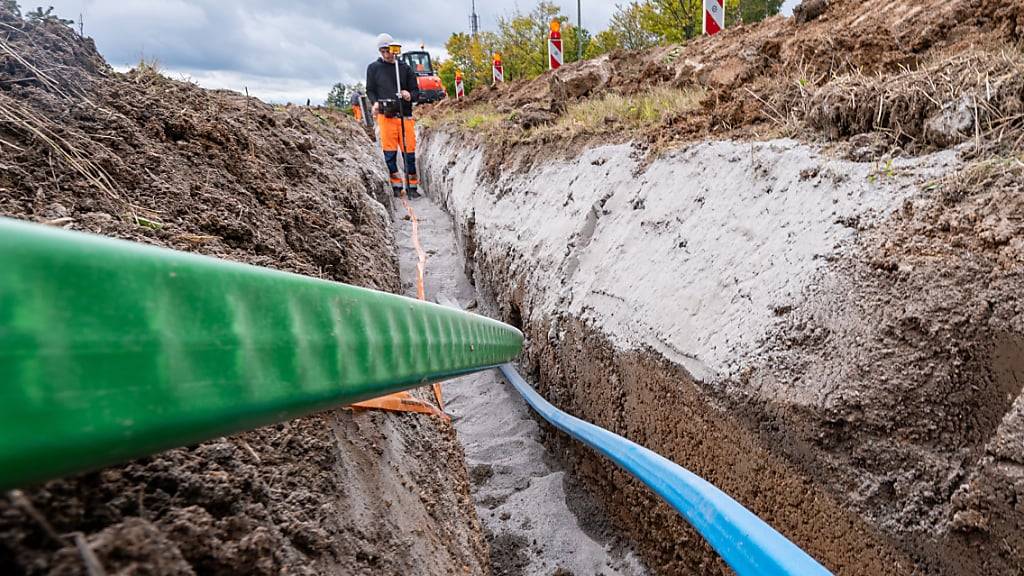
(399, 402)
(403, 401)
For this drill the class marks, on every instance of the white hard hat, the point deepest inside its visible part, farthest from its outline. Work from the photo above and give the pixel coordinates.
(384, 40)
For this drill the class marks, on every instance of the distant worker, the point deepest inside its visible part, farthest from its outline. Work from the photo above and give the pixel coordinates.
(357, 109)
(394, 113)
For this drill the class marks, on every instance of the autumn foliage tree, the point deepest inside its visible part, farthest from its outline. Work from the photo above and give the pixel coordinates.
(471, 55)
(521, 37)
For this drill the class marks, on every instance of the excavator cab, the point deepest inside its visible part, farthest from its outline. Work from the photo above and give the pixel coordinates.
(431, 89)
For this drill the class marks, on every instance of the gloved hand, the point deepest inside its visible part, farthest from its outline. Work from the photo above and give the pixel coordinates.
(375, 110)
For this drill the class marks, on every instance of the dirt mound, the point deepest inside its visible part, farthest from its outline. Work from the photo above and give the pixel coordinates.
(146, 158)
(143, 157)
(921, 76)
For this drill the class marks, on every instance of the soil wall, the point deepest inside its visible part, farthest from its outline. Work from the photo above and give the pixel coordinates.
(803, 331)
(145, 158)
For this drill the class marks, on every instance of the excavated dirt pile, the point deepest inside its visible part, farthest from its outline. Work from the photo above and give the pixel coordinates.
(142, 157)
(915, 77)
(802, 280)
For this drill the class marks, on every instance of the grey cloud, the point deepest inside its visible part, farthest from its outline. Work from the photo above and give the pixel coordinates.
(286, 50)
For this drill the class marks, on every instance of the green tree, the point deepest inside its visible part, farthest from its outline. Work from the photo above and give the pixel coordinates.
(470, 54)
(523, 40)
(628, 26)
(672, 21)
(572, 36)
(676, 21)
(604, 42)
(341, 94)
(756, 10)
(625, 30)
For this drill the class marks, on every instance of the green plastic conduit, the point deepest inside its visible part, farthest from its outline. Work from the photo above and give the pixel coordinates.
(111, 350)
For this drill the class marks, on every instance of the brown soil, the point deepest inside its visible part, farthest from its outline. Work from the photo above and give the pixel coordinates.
(917, 76)
(924, 322)
(649, 400)
(146, 158)
(883, 429)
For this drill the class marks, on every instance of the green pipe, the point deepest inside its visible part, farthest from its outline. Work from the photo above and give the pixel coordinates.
(111, 350)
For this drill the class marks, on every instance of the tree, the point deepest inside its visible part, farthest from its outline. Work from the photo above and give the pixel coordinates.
(757, 10)
(472, 55)
(672, 21)
(341, 94)
(626, 29)
(523, 40)
(572, 36)
(604, 42)
(676, 21)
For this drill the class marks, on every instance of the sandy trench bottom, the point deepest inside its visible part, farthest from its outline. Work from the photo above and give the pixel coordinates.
(536, 517)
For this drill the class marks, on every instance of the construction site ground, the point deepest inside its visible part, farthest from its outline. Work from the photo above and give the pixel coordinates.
(789, 258)
(142, 157)
(537, 519)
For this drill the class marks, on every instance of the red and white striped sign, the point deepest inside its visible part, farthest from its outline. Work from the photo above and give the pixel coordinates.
(714, 16)
(497, 71)
(460, 90)
(555, 45)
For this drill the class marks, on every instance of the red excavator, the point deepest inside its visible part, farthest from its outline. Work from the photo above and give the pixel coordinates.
(431, 89)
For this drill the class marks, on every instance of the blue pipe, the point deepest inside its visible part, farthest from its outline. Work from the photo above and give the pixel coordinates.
(749, 545)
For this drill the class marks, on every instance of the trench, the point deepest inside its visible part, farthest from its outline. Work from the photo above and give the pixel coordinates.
(659, 350)
(653, 395)
(536, 517)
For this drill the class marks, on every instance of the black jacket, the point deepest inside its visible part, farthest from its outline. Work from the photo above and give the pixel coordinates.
(380, 83)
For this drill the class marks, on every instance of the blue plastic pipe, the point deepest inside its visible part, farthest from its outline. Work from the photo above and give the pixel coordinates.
(749, 545)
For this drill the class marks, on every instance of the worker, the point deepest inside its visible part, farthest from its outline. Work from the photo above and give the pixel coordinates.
(394, 112)
(357, 109)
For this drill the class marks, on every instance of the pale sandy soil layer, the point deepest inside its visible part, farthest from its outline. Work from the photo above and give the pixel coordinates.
(835, 344)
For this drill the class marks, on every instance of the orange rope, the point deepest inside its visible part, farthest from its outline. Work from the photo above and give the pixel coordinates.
(421, 256)
(403, 401)
(421, 265)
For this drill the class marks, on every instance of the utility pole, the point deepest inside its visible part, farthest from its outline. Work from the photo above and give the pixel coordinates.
(579, 32)
(474, 21)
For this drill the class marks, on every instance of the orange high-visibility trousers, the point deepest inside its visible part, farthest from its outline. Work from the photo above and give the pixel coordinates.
(357, 111)
(391, 134)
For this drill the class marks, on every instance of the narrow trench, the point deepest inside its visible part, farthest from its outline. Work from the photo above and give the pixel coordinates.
(536, 517)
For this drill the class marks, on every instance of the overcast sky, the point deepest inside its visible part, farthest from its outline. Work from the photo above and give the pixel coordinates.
(283, 51)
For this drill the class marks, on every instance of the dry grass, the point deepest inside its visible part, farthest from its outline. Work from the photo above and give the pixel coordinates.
(610, 112)
(979, 91)
(60, 143)
(42, 129)
(982, 175)
(150, 65)
(50, 83)
(614, 112)
(478, 118)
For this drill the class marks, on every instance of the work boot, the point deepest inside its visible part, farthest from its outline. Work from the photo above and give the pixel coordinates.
(396, 184)
(413, 193)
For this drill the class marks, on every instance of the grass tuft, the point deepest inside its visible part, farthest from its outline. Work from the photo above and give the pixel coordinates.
(638, 111)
